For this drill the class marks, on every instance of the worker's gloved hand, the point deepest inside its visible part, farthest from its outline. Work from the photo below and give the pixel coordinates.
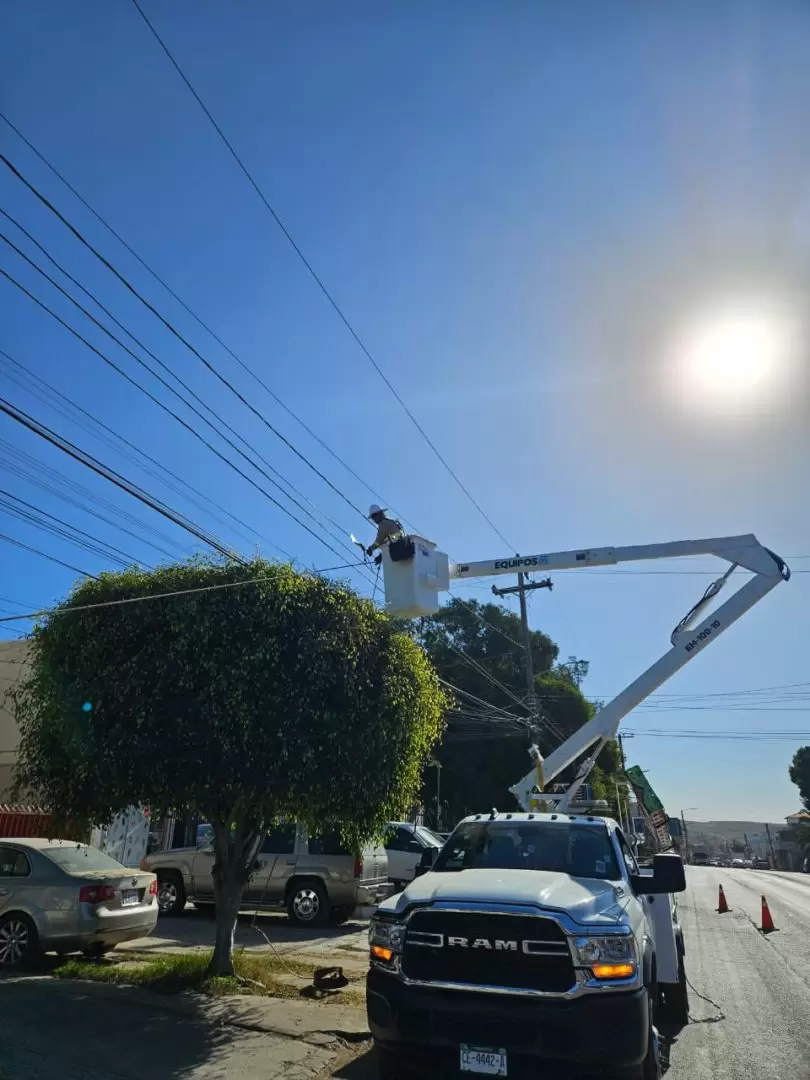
(369, 551)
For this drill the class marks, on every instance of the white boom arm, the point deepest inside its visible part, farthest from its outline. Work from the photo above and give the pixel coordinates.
(412, 586)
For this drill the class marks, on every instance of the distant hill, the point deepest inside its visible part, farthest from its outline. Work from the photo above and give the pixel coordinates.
(719, 833)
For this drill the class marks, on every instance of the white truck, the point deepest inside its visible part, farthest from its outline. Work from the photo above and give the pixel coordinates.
(535, 936)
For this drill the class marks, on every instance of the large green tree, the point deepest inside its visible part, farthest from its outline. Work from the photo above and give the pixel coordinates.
(800, 773)
(478, 649)
(265, 694)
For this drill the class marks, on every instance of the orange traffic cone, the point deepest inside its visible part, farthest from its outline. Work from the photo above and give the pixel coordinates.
(767, 919)
(722, 905)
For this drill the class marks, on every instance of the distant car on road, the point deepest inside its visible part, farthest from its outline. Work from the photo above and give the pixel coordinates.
(314, 876)
(761, 864)
(60, 896)
(405, 846)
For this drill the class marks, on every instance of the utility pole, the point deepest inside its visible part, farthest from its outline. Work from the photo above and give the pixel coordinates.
(523, 586)
(685, 837)
(437, 765)
(770, 845)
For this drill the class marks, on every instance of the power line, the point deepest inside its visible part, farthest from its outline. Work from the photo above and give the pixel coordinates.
(180, 487)
(485, 674)
(166, 368)
(317, 279)
(159, 596)
(59, 493)
(487, 705)
(44, 555)
(160, 379)
(63, 529)
(750, 736)
(197, 318)
(82, 456)
(207, 363)
(163, 406)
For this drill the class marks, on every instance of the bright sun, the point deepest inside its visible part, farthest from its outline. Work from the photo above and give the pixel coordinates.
(734, 356)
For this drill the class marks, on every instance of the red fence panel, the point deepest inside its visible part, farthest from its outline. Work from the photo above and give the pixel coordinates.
(23, 821)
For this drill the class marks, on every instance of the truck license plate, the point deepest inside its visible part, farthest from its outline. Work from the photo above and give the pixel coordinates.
(483, 1059)
(129, 897)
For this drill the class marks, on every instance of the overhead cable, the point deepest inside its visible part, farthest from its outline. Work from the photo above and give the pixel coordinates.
(161, 596)
(197, 318)
(169, 371)
(166, 409)
(116, 478)
(318, 280)
(44, 555)
(207, 363)
(176, 483)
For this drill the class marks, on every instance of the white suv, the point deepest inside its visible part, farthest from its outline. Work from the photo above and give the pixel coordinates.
(405, 845)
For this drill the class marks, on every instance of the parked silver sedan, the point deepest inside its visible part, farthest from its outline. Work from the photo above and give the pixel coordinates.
(60, 896)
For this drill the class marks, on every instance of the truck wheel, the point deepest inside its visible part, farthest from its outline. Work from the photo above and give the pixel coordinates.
(676, 999)
(389, 1067)
(650, 1068)
(307, 903)
(171, 893)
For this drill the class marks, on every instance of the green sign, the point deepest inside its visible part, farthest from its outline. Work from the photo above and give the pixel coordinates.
(644, 790)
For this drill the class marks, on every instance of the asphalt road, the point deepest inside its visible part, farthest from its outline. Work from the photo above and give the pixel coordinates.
(761, 985)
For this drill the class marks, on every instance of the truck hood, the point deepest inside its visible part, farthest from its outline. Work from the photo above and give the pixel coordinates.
(163, 858)
(585, 900)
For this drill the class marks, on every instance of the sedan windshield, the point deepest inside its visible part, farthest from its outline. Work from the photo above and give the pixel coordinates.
(563, 847)
(80, 859)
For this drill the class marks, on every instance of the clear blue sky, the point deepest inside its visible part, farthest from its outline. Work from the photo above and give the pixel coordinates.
(513, 203)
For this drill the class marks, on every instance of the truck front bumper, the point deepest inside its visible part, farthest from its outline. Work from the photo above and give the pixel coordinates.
(597, 1032)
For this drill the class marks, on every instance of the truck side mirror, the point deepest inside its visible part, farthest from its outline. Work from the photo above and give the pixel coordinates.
(668, 876)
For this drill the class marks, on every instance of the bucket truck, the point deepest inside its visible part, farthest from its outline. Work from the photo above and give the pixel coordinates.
(535, 936)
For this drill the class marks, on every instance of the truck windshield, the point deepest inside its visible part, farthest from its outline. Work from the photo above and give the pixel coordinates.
(563, 847)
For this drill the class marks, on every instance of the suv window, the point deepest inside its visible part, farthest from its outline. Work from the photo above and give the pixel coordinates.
(327, 843)
(13, 863)
(578, 850)
(279, 841)
(398, 839)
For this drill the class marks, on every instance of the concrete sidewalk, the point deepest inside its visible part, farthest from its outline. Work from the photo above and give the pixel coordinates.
(93, 1031)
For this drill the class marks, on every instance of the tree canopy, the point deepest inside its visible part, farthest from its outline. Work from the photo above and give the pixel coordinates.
(477, 648)
(800, 774)
(259, 694)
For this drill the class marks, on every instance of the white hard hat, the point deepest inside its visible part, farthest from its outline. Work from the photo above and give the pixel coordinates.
(374, 509)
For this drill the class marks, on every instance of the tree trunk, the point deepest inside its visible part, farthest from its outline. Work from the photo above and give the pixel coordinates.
(233, 850)
(228, 896)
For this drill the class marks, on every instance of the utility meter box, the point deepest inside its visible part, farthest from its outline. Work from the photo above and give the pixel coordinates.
(412, 585)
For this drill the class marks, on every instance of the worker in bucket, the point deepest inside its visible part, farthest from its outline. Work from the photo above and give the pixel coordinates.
(388, 529)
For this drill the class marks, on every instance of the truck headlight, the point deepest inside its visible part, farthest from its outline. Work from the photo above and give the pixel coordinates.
(608, 957)
(386, 938)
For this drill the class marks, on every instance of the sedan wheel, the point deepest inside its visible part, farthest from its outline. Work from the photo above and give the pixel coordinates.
(171, 895)
(18, 940)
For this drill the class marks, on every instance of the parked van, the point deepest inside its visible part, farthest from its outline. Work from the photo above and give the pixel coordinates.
(314, 876)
